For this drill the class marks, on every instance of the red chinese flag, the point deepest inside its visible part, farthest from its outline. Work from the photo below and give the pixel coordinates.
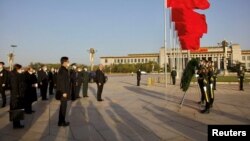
(186, 15)
(186, 29)
(201, 4)
(188, 21)
(190, 42)
(190, 4)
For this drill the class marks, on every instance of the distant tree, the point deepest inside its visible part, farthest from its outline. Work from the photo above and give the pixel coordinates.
(128, 68)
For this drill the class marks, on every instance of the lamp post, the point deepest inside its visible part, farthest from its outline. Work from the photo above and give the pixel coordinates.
(225, 45)
(11, 57)
(92, 52)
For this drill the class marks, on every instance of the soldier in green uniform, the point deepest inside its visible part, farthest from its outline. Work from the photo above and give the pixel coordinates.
(210, 76)
(85, 83)
(201, 76)
(173, 75)
(241, 75)
(206, 91)
(200, 79)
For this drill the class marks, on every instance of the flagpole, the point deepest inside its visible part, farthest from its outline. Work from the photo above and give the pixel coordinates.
(174, 46)
(170, 40)
(179, 56)
(165, 42)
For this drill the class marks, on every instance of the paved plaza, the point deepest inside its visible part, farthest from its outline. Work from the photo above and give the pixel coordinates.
(132, 113)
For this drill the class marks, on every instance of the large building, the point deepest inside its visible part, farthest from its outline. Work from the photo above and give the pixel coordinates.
(233, 55)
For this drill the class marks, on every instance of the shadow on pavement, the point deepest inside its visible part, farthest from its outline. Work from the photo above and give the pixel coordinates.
(177, 122)
(93, 90)
(129, 127)
(161, 96)
(31, 122)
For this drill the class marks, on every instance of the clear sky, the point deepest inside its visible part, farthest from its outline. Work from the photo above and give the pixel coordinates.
(45, 30)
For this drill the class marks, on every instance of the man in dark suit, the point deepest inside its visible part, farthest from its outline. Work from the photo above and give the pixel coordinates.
(100, 80)
(63, 90)
(30, 92)
(85, 75)
(73, 81)
(51, 75)
(241, 75)
(3, 82)
(43, 80)
(138, 77)
(79, 79)
(173, 75)
(18, 87)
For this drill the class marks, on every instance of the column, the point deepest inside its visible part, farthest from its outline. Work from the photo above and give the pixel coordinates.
(218, 62)
(183, 61)
(188, 55)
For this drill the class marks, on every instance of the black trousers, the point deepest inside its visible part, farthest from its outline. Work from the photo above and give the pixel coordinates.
(241, 83)
(28, 107)
(62, 111)
(174, 80)
(77, 91)
(43, 90)
(85, 89)
(51, 88)
(3, 95)
(73, 92)
(209, 96)
(138, 82)
(201, 85)
(16, 123)
(99, 91)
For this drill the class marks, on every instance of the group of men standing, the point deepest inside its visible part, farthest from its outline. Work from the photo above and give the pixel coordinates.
(78, 78)
(23, 86)
(68, 83)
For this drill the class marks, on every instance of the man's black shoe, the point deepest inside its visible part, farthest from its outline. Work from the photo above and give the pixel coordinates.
(100, 100)
(18, 127)
(204, 111)
(64, 124)
(201, 102)
(28, 112)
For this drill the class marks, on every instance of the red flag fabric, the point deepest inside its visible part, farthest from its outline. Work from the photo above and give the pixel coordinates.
(188, 21)
(184, 28)
(186, 15)
(201, 4)
(190, 42)
(191, 4)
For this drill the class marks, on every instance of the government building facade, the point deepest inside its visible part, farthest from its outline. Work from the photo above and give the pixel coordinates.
(221, 56)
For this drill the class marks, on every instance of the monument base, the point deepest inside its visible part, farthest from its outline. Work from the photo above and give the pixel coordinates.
(225, 73)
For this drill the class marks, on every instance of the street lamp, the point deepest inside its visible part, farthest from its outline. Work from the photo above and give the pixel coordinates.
(225, 46)
(92, 52)
(11, 57)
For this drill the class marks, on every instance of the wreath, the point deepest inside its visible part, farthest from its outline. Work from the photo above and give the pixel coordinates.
(188, 73)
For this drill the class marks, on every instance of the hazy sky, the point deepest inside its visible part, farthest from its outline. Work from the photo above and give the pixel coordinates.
(45, 30)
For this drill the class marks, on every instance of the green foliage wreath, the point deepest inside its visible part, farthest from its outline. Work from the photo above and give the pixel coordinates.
(188, 74)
